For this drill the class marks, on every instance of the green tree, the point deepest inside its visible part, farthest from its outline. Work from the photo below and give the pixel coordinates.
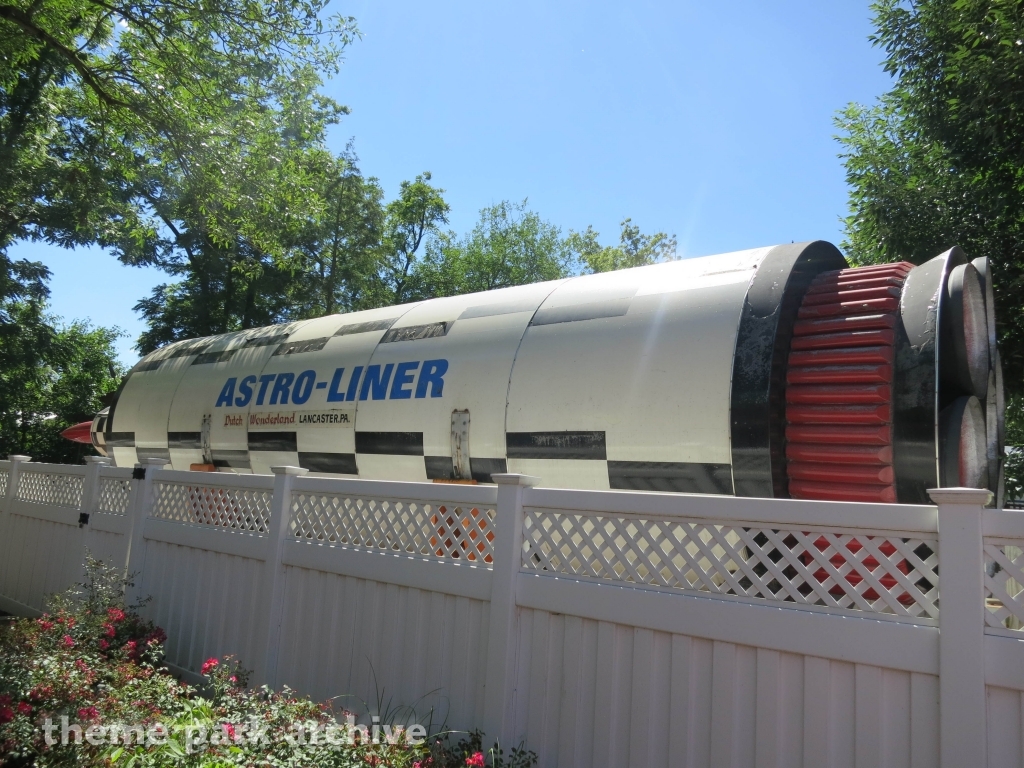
(634, 249)
(237, 272)
(409, 223)
(101, 101)
(510, 245)
(939, 160)
(340, 249)
(53, 377)
(223, 290)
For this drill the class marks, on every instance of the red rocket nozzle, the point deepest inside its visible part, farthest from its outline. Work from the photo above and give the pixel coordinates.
(80, 433)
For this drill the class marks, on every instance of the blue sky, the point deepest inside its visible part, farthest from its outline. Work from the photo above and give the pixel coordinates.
(712, 121)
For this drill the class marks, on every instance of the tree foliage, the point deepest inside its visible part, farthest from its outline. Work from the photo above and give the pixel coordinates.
(939, 160)
(339, 250)
(342, 249)
(410, 222)
(53, 376)
(102, 100)
(634, 249)
(510, 245)
(235, 270)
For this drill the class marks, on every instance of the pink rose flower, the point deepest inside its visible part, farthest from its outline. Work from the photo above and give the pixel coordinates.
(69, 641)
(208, 665)
(476, 760)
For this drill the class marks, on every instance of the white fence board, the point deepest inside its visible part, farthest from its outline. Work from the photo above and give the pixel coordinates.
(205, 601)
(1006, 709)
(868, 640)
(109, 546)
(207, 537)
(603, 694)
(359, 639)
(451, 577)
(41, 557)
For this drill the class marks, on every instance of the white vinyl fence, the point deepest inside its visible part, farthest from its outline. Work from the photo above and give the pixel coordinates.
(603, 628)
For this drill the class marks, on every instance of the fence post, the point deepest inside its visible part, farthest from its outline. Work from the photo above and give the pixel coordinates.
(6, 540)
(500, 685)
(272, 584)
(12, 478)
(135, 561)
(962, 724)
(87, 507)
(12, 489)
(91, 486)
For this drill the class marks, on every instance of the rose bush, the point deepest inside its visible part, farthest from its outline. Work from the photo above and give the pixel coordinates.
(93, 663)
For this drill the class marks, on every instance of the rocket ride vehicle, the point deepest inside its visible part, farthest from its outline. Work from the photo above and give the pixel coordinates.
(773, 372)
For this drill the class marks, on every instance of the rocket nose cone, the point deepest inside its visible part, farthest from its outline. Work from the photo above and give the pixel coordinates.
(80, 433)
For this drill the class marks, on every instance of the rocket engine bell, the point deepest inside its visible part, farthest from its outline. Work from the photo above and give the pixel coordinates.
(775, 372)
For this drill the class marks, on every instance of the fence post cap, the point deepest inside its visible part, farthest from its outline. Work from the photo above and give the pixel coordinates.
(18, 457)
(97, 459)
(974, 497)
(513, 478)
(288, 470)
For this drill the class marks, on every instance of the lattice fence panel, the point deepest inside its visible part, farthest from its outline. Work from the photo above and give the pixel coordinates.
(241, 509)
(115, 493)
(5, 475)
(878, 573)
(437, 529)
(1004, 577)
(50, 488)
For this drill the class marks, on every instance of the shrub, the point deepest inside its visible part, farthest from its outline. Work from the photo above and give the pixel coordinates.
(93, 663)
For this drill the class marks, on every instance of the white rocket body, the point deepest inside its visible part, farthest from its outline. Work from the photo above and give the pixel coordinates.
(632, 366)
(684, 376)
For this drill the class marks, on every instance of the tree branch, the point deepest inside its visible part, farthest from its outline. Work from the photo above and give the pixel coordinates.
(21, 19)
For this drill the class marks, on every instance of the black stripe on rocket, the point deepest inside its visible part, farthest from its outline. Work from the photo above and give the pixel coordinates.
(670, 477)
(231, 459)
(758, 397)
(185, 440)
(207, 358)
(332, 463)
(439, 467)
(373, 325)
(274, 441)
(556, 445)
(119, 439)
(481, 470)
(390, 443)
(298, 347)
(417, 332)
(265, 341)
